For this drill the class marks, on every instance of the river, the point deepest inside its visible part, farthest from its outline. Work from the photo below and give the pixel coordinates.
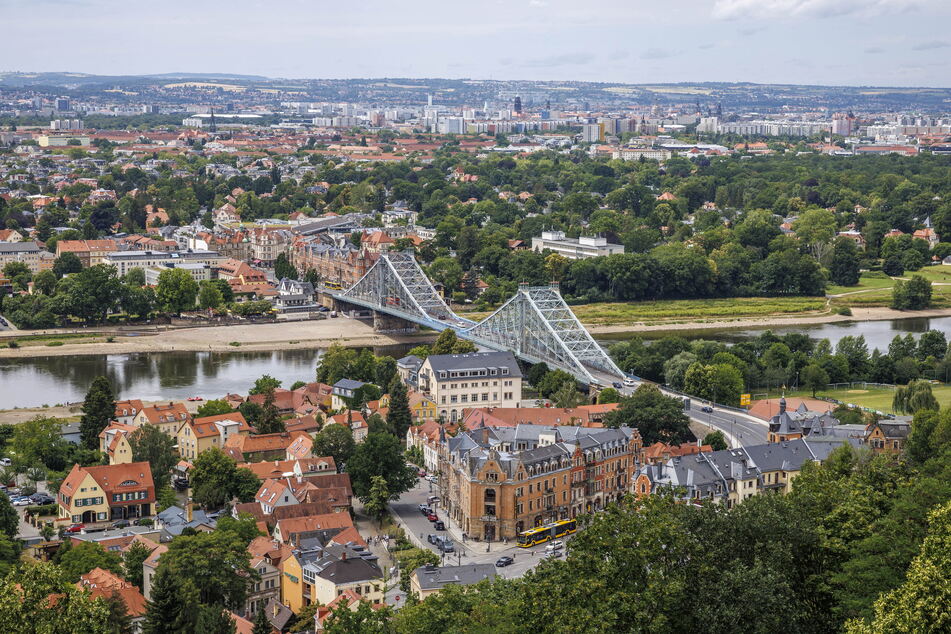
(878, 334)
(32, 382)
(37, 381)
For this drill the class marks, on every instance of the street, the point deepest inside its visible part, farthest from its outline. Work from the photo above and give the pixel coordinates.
(417, 527)
(739, 429)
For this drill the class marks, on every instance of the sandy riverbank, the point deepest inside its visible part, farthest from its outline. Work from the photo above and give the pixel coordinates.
(773, 321)
(74, 411)
(255, 337)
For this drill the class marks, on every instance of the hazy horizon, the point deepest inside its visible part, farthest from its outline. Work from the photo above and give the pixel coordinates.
(898, 43)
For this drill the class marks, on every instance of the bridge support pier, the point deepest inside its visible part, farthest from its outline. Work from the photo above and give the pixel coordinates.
(393, 325)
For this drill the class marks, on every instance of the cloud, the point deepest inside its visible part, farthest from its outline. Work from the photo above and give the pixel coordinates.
(620, 54)
(770, 9)
(931, 45)
(751, 30)
(658, 53)
(565, 59)
(537, 4)
(707, 46)
(874, 50)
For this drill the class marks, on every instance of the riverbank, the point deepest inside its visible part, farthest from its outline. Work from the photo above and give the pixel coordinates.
(68, 413)
(772, 321)
(295, 335)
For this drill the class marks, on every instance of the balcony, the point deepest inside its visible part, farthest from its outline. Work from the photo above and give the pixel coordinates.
(488, 518)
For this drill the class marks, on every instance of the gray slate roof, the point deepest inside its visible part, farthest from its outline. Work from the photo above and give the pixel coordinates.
(433, 578)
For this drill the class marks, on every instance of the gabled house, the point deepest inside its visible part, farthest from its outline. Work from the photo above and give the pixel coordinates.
(263, 447)
(168, 418)
(105, 584)
(114, 442)
(888, 436)
(201, 434)
(92, 495)
(127, 410)
(343, 391)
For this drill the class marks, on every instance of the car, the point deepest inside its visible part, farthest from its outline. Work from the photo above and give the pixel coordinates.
(629, 382)
(121, 524)
(425, 510)
(555, 545)
(144, 521)
(433, 499)
(75, 528)
(617, 385)
(446, 546)
(180, 483)
(439, 525)
(5, 462)
(707, 409)
(195, 398)
(432, 517)
(552, 554)
(42, 498)
(422, 473)
(502, 562)
(431, 538)
(22, 501)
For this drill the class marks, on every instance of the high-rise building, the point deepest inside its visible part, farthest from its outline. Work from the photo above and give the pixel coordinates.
(592, 132)
(62, 104)
(842, 123)
(517, 106)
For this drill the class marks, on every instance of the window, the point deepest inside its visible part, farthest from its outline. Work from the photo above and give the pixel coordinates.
(485, 396)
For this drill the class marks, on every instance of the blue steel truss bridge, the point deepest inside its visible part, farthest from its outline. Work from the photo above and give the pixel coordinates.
(535, 324)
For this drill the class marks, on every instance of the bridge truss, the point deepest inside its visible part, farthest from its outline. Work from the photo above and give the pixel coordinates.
(535, 324)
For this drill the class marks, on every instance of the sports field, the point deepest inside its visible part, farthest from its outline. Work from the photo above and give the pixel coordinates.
(876, 398)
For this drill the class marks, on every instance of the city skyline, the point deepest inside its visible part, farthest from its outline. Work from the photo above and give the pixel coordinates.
(848, 42)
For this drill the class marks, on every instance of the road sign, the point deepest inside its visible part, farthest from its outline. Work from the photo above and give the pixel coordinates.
(744, 399)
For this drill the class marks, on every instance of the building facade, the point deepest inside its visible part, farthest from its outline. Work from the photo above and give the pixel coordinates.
(455, 382)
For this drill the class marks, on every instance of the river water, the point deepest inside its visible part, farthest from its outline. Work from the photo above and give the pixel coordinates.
(31, 382)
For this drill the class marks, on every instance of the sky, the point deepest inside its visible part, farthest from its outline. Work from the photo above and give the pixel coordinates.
(831, 42)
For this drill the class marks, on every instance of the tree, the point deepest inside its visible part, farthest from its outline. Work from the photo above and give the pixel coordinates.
(813, 377)
(283, 268)
(67, 263)
(915, 396)
(536, 373)
(344, 620)
(25, 604)
(45, 282)
(400, 417)
(119, 620)
(9, 518)
(135, 276)
(152, 445)
(816, 228)
(658, 418)
(167, 610)
(410, 559)
(85, 556)
(214, 407)
(209, 297)
(336, 363)
(380, 455)
(567, 395)
(716, 440)
(269, 422)
(915, 294)
(721, 383)
(176, 290)
(132, 560)
(216, 479)
(39, 441)
(90, 294)
(245, 526)
(263, 626)
(98, 409)
(448, 343)
(920, 603)
(385, 371)
(608, 395)
(335, 441)
(214, 619)
(553, 381)
(216, 563)
(446, 271)
(378, 498)
(305, 619)
(844, 268)
(265, 383)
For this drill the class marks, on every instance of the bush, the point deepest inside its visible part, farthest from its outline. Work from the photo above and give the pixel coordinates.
(110, 339)
(45, 509)
(54, 344)
(13, 344)
(843, 310)
(236, 344)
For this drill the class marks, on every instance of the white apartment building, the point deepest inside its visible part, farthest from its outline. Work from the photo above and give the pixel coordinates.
(479, 379)
(199, 272)
(575, 248)
(125, 261)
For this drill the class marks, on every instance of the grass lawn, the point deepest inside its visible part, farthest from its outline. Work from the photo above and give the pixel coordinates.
(621, 313)
(876, 398)
(867, 281)
(940, 297)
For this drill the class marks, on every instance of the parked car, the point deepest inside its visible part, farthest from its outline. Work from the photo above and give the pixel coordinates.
(439, 525)
(22, 501)
(180, 483)
(425, 510)
(555, 545)
(432, 517)
(446, 546)
(42, 498)
(502, 562)
(144, 521)
(422, 473)
(75, 528)
(121, 524)
(195, 398)
(431, 538)
(433, 499)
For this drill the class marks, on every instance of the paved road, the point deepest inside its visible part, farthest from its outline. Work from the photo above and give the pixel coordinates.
(417, 527)
(739, 429)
